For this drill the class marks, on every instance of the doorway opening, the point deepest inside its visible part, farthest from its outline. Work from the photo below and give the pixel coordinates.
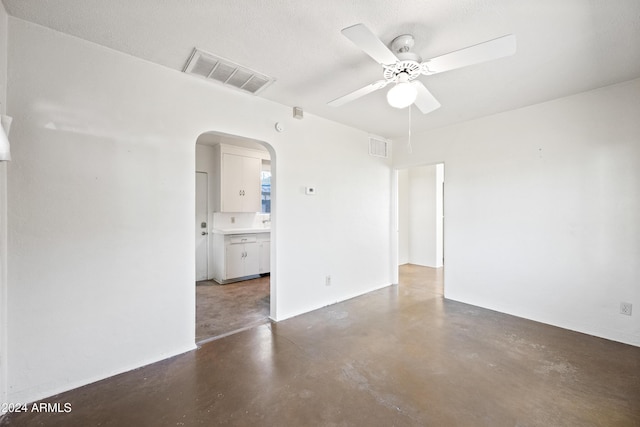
(420, 217)
(235, 286)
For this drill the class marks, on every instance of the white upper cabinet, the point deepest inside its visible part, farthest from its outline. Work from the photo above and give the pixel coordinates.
(238, 181)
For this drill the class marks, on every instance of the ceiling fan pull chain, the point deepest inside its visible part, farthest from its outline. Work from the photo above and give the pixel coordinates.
(409, 149)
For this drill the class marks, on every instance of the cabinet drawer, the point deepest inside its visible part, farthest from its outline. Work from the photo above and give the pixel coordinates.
(235, 240)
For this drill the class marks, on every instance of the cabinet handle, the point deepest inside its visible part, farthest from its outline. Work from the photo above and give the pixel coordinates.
(240, 193)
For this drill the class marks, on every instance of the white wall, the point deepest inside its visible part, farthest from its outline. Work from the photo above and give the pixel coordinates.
(422, 215)
(3, 211)
(439, 215)
(403, 216)
(542, 210)
(422, 186)
(101, 209)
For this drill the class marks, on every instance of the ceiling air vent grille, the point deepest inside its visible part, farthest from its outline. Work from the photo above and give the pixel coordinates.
(217, 69)
(378, 146)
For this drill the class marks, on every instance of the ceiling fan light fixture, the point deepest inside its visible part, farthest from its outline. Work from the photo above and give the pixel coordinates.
(402, 94)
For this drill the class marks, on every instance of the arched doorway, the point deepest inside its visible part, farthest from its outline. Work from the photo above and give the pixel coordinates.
(235, 287)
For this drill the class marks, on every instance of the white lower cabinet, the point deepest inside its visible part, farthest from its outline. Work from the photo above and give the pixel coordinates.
(241, 259)
(238, 256)
(264, 247)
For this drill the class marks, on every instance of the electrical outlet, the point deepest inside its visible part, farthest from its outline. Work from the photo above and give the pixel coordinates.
(327, 281)
(625, 308)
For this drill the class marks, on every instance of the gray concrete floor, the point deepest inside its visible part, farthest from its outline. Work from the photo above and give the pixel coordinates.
(224, 309)
(399, 356)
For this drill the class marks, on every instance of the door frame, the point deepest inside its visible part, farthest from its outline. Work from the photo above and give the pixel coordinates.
(395, 217)
(207, 239)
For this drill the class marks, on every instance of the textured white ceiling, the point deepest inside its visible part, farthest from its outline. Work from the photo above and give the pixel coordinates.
(564, 47)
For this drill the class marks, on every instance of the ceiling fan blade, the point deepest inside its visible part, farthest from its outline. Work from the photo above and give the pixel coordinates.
(362, 37)
(358, 93)
(425, 101)
(492, 49)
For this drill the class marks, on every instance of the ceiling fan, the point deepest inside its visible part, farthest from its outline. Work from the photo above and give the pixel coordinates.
(402, 67)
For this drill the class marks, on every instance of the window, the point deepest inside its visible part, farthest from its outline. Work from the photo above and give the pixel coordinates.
(265, 194)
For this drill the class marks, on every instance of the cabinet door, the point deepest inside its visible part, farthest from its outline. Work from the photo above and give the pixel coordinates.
(251, 259)
(234, 261)
(251, 185)
(265, 257)
(232, 183)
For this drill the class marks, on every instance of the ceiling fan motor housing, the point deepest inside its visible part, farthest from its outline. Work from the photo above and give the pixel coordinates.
(409, 66)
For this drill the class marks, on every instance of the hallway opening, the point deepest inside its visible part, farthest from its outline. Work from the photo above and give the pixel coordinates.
(235, 283)
(420, 216)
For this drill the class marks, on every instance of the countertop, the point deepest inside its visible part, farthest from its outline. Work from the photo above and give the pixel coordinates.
(228, 231)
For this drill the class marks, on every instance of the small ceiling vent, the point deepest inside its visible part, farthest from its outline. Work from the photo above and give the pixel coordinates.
(378, 146)
(220, 70)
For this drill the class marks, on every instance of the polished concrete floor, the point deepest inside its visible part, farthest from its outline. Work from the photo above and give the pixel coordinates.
(224, 309)
(399, 356)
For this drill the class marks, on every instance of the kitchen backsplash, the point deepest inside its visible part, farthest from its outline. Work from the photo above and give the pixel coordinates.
(227, 220)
